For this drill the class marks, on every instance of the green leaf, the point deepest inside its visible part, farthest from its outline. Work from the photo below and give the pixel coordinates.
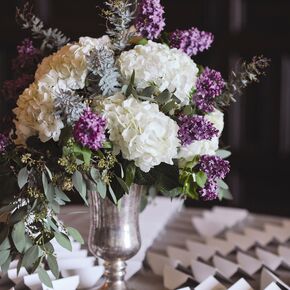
(130, 173)
(63, 240)
(95, 174)
(22, 177)
(222, 184)
(6, 265)
(52, 224)
(80, 185)
(223, 153)
(168, 107)
(85, 152)
(123, 184)
(76, 235)
(7, 208)
(30, 256)
(188, 110)
(4, 255)
(59, 193)
(148, 92)
(102, 189)
(5, 245)
(224, 194)
(113, 194)
(44, 183)
(44, 278)
(18, 236)
(173, 192)
(143, 202)
(48, 172)
(201, 178)
(53, 266)
(142, 41)
(163, 98)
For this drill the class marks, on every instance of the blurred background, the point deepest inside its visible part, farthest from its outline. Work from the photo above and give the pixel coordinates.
(258, 125)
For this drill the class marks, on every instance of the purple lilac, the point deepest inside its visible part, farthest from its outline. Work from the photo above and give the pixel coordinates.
(209, 85)
(27, 59)
(4, 142)
(195, 128)
(150, 21)
(210, 191)
(214, 167)
(191, 41)
(89, 130)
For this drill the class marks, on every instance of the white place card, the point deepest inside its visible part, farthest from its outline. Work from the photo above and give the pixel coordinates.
(157, 262)
(33, 282)
(173, 278)
(268, 277)
(220, 218)
(185, 257)
(70, 283)
(261, 237)
(71, 255)
(211, 283)
(200, 250)
(284, 252)
(273, 286)
(222, 246)
(132, 268)
(201, 271)
(77, 263)
(242, 284)
(186, 288)
(269, 259)
(207, 228)
(14, 277)
(225, 267)
(248, 264)
(281, 234)
(240, 241)
(237, 214)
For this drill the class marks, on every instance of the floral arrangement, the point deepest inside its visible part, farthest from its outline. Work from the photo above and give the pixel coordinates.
(103, 113)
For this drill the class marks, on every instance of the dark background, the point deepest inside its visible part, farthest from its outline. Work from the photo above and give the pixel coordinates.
(258, 126)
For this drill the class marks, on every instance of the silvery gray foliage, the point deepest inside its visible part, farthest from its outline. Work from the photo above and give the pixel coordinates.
(119, 15)
(51, 38)
(101, 63)
(69, 106)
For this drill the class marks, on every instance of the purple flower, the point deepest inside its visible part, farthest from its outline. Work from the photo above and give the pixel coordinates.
(4, 142)
(210, 191)
(214, 167)
(27, 59)
(191, 41)
(150, 21)
(209, 85)
(195, 128)
(89, 130)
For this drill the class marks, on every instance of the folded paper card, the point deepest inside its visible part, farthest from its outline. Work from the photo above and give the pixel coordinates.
(77, 263)
(225, 267)
(284, 253)
(222, 246)
(207, 228)
(281, 234)
(248, 264)
(211, 283)
(202, 271)
(242, 284)
(261, 237)
(173, 278)
(220, 218)
(200, 250)
(269, 259)
(185, 257)
(273, 286)
(267, 277)
(157, 262)
(242, 242)
(237, 214)
(70, 283)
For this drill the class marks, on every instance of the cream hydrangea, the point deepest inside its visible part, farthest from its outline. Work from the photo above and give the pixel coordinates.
(141, 132)
(34, 115)
(203, 147)
(168, 68)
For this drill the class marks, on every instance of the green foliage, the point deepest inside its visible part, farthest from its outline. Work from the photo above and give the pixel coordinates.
(75, 234)
(22, 177)
(44, 278)
(63, 240)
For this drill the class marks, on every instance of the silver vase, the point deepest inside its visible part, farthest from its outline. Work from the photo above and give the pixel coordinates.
(114, 234)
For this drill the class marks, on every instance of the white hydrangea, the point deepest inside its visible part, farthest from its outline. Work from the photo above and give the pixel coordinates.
(89, 43)
(204, 147)
(35, 116)
(168, 68)
(141, 132)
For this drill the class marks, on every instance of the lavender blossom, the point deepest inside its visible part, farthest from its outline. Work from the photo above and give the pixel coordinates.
(27, 59)
(4, 142)
(150, 21)
(209, 85)
(210, 191)
(191, 41)
(195, 128)
(214, 167)
(89, 130)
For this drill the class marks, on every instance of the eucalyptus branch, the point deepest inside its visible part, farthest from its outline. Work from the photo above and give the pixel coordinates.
(51, 38)
(246, 74)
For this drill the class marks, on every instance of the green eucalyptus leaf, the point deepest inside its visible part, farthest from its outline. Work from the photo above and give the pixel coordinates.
(163, 97)
(102, 188)
(223, 153)
(168, 107)
(63, 240)
(53, 266)
(22, 177)
(123, 184)
(5, 245)
(130, 172)
(44, 277)
(95, 174)
(149, 91)
(4, 255)
(7, 208)
(30, 257)
(224, 194)
(18, 236)
(48, 172)
(85, 152)
(201, 178)
(44, 183)
(222, 184)
(5, 266)
(75, 234)
(59, 193)
(113, 194)
(80, 185)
